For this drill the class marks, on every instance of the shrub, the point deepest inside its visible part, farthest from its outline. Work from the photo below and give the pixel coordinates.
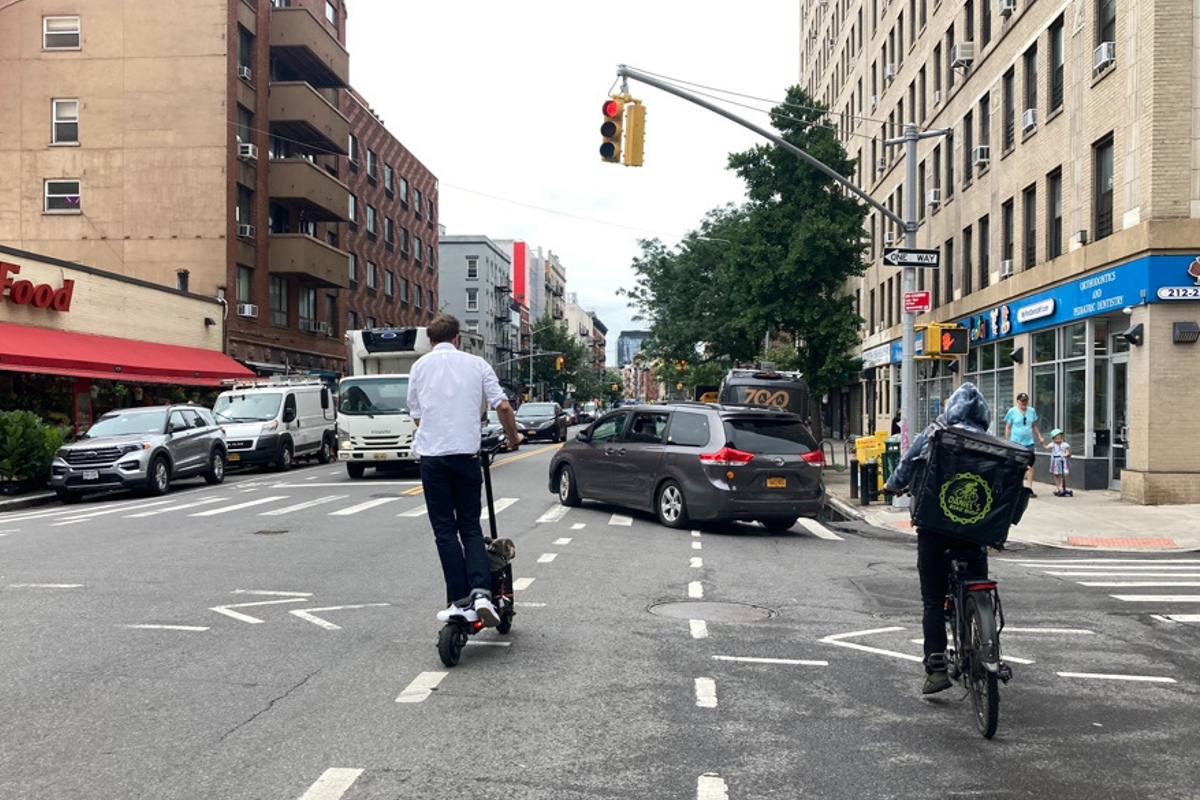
(27, 446)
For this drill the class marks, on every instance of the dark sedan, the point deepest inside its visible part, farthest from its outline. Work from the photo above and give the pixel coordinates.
(542, 421)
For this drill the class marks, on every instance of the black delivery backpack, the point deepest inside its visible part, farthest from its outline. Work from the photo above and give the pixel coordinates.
(971, 487)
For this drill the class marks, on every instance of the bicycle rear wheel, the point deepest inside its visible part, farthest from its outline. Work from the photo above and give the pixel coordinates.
(982, 683)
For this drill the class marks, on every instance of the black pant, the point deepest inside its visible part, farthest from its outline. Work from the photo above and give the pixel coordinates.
(933, 565)
(451, 484)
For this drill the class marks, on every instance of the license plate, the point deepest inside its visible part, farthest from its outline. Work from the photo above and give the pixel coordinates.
(531, 432)
(776, 483)
(91, 475)
(379, 456)
(233, 457)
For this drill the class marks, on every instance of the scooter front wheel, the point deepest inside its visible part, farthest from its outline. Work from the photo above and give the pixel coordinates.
(450, 644)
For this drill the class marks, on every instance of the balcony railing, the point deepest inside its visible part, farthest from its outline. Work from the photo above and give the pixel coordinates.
(303, 46)
(299, 254)
(299, 113)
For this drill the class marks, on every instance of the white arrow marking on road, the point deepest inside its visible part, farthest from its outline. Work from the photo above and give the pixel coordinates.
(1111, 677)
(421, 687)
(332, 784)
(419, 511)
(306, 614)
(501, 503)
(246, 617)
(275, 512)
(819, 530)
(620, 519)
(44, 585)
(706, 693)
(168, 627)
(238, 506)
(695, 590)
(521, 583)
(203, 502)
(546, 558)
(802, 662)
(709, 786)
(699, 628)
(554, 514)
(838, 639)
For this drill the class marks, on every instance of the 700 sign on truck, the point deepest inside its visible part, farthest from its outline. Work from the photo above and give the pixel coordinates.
(374, 428)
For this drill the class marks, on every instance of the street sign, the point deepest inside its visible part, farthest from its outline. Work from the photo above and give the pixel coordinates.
(916, 301)
(899, 257)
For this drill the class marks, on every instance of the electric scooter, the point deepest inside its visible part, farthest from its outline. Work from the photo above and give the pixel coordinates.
(453, 635)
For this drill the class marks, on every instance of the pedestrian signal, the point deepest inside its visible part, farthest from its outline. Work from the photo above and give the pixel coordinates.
(955, 342)
(614, 120)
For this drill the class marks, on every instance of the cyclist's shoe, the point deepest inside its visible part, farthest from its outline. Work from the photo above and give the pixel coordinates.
(454, 610)
(936, 681)
(484, 608)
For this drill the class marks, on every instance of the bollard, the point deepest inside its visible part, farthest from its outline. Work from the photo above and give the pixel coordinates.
(854, 479)
(867, 490)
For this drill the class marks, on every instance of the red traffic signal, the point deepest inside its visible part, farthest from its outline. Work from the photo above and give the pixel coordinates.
(611, 129)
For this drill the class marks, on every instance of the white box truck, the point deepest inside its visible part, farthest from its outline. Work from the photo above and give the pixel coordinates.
(374, 428)
(276, 421)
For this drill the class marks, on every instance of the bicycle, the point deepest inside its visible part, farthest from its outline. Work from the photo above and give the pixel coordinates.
(976, 617)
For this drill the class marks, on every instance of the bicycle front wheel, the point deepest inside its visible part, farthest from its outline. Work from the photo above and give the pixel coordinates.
(982, 683)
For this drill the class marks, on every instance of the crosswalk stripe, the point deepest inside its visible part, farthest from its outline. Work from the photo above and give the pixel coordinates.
(819, 530)
(500, 503)
(620, 519)
(554, 514)
(275, 512)
(169, 509)
(1125, 574)
(1136, 584)
(378, 501)
(1158, 598)
(213, 512)
(419, 511)
(77, 515)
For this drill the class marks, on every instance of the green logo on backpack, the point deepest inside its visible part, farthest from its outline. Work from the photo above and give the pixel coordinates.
(965, 498)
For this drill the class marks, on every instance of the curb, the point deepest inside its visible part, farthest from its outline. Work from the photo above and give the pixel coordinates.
(28, 501)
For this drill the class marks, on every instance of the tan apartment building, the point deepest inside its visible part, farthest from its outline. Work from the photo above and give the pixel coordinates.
(1062, 199)
(214, 157)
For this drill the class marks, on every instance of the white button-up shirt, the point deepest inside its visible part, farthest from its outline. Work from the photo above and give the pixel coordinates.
(446, 390)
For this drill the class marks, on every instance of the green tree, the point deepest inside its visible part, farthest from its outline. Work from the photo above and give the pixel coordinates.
(552, 337)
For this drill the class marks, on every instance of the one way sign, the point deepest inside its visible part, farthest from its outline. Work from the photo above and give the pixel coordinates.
(899, 257)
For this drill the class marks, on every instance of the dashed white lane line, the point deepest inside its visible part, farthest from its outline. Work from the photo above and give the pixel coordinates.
(378, 501)
(818, 530)
(710, 786)
(1113, 677)
(152, 513)
(238, 506)
(1158, 598)
(696, 563)
(275, 512)
(554, 514)
(699, 628)
(695, 590)
(706, 693)
(500, 503)
(1177, 617)
(696, 546)
(1137, 584)
(419, 511)
(44, 585)
(620, 519)
(168, 627)
(421, 687)
(546, 558)
(578, 526)
(695, 534)
(1059, 631)
(566, 540)
(521, 583)
(332, 784)
(791, 662)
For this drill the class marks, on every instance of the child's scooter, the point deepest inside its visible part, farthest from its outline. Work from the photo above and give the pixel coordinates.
(453, 636)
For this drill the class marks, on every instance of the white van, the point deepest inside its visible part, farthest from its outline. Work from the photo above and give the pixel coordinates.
(278, 421)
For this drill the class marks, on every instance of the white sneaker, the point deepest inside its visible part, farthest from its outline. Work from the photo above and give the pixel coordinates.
(453, 610)
(486, 612)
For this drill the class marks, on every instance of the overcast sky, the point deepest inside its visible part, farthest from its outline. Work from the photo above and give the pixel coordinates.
(501, 101)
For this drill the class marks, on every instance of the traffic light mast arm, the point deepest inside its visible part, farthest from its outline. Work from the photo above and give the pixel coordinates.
(627, 72)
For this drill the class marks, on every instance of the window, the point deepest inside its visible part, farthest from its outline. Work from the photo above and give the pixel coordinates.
(389, 282)
(968, 127)
(308, 308)
(404, 191)
(66, 121)
(404, 290)
(429, 210)
(948, 189)
(181, 279)
(969, 20)
(370, 322)
(417, 202)
(985, 244)
(244, 276)
(1031, 78)
(279, 300)
(472, 268)
(968, 271)
(1056, 64)
(353, 150)
(372, 280)
(353, 268)
(417, 249)
(871, 329)
(371, 164)
(985, 23)
(1030, 201)
(404, 241)
(1106, 21)
(62, 196)
(1006, 232)
(353, 208)
(331, 13)
(388, 233)
(1054, 214)
(370, 218)
(331, 313)
(351, 320)
(60, 33)
(388, 179)
(245, 202)
(948, 271)
(472, 299)
(429, 256)
(1008, 88)
(985, 119)
(1102, 187)
(432, 302)
(417, 292)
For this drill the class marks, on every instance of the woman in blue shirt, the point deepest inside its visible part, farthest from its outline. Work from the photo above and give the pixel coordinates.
(1020, 426)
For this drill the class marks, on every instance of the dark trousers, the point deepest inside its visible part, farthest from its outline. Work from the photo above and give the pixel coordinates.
(933, 565)
(452, 497)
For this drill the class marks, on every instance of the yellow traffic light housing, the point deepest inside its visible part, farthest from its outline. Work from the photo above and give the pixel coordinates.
(635, 132)
(611, 129)
(558, 363)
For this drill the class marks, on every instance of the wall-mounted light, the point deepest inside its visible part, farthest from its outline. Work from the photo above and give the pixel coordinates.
(953, 367)
(1080, 236)
(1185, 332)
(1135, 335)
(1018, 355)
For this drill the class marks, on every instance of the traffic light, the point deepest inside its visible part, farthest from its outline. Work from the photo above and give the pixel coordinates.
(558, 363)
(635, 133)
(614, 116)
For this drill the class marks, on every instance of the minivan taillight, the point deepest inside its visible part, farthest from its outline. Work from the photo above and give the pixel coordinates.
(814, 457)
(726, 457)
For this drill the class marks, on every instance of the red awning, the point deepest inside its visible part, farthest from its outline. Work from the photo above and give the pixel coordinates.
(82, 355)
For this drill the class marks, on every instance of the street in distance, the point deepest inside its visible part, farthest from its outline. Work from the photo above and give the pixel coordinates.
(899, 257)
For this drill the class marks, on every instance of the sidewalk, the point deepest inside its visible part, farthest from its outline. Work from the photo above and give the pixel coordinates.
(1089, 521)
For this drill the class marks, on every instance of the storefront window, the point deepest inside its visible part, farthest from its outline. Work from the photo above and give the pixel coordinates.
(1043, 346)
(1075, 340)
(1074, 402)
(989, 367)
(1045, 396)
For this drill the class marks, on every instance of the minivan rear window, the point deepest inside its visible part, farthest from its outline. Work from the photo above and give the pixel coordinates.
(688, 429)
(780, 436)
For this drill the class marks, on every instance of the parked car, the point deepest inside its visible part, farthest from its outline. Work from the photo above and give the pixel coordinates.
(695, 462)
(586, 412)
(489, 424)
(141, 448)
(278, 421)
(542, 421)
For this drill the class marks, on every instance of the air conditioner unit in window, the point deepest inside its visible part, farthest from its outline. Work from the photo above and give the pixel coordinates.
(244, 73)
(872, 101)
(1007, 7)
(245, 231)
(981, 155)
(1104, 56)
(1006, 268)
(1029, 119)
(937, 96)
(933, 197)
(962, 54)
(881, 165)
(889, 72)
(247, 151)
(321, 327)
(247, 310)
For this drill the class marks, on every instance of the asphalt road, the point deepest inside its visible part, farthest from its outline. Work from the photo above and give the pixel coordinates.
(274, 638)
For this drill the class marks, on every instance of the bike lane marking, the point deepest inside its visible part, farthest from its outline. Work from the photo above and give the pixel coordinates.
(307, 615)
(1106, 676)
(332, 784)
(421, 687)
(838, 639)
(706, 693)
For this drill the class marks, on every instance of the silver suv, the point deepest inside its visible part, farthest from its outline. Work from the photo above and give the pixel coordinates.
(141, 448)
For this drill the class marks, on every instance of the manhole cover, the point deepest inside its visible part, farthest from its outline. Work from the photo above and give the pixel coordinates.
(268, 533)
(712, 612)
